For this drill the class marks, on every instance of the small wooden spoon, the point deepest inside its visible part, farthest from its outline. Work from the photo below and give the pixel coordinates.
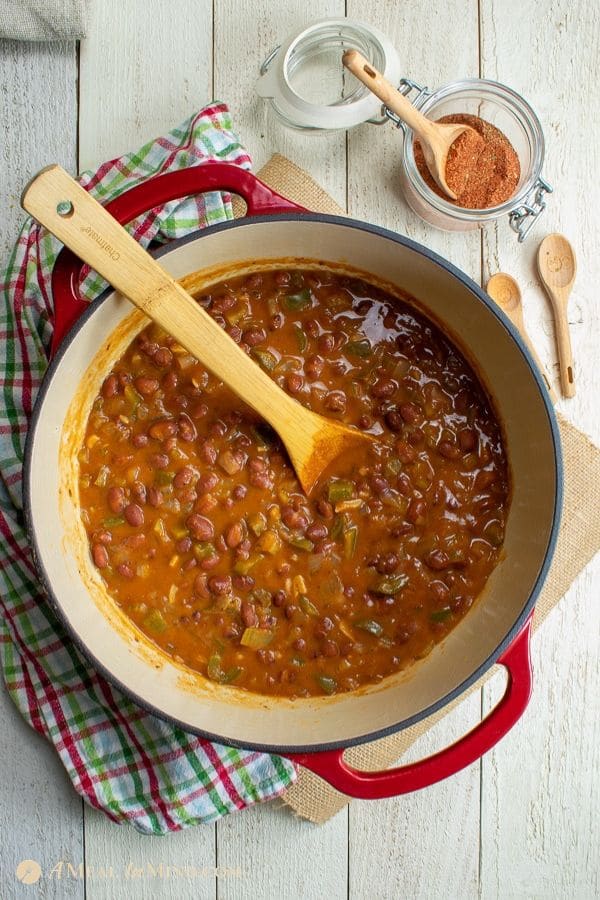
(504, 290)
(83, 225)
(435, 139)
(557, 268)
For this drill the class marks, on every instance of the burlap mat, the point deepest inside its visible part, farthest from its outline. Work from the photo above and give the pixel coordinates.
(578, 541)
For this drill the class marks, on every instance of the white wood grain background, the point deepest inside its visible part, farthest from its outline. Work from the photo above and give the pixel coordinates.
(524, 822)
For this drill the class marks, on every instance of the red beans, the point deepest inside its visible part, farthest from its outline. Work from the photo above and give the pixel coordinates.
(201, 586)
(259, 476)
(234, 333)
(335, 401)
(115, 498)
(162, 429)
(326, 343)
(162, 358)
(198, 410)
(394, 420)
(325, 509)
(220, 584)
(316, 531)
(155, 496)
(234, 535)
(293, 519)
(160, 460)
(313, 367)
(388, 563)
(406, 453)
(208, 453)
(294, 383)
(254, 336)
(183, 477)
(324, 627)
(411, 413)
(223, 302)
(138, 492)
(100, 555)
(146, 386)
(448, 450)
(186, 428)
(110, 387)
(170, 381)
(207, 483)
(383, 388)
(438, 590)
(148, 348)
(437, 560)
(201, 528)
(134, 515)
(248, 614)
(417, 510)
(205, 489)
(379, 485)
(467, 440)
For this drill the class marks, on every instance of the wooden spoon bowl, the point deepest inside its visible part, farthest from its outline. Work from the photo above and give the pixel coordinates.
(504, 290)
(82, 224)
(557, 267)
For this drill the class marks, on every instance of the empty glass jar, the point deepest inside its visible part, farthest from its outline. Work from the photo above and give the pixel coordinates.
(309, 90)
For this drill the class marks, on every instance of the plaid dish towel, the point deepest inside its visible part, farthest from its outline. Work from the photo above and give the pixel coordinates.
(122, 760)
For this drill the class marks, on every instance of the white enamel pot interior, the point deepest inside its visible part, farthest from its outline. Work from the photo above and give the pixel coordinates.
(223, 712)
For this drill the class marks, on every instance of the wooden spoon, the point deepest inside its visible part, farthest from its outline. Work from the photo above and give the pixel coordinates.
(83, 225)
(504, 290)
(557, 268)
(435, 139)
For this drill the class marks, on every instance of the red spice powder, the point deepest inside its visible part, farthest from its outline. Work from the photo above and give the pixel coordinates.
(482, 169)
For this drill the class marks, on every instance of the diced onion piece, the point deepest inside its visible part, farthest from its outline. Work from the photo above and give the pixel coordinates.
(161, 531)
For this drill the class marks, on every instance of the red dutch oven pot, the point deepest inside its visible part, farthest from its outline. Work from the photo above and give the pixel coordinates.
(313, 732)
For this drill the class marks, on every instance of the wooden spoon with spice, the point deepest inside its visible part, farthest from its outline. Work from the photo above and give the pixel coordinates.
(557, 268)
(435, 139)
(82, 224)
(504, 290)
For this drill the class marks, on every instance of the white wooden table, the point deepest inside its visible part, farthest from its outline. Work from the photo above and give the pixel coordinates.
(524, 822)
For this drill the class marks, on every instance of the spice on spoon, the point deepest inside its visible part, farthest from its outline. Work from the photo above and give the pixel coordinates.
(482, 168)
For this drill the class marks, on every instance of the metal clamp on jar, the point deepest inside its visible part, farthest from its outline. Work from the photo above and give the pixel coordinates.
(309, 90)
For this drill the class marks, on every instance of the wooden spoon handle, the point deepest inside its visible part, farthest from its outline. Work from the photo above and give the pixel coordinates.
(362, 69)
(97, 238)
(563, 343)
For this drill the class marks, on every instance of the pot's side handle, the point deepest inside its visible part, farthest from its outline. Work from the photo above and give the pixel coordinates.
(331, 765)
(260, 200)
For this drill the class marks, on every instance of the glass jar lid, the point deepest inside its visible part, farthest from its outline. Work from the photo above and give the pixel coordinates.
(307, 84)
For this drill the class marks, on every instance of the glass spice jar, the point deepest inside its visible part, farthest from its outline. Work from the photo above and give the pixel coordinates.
(309, 90)
(511, 114)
